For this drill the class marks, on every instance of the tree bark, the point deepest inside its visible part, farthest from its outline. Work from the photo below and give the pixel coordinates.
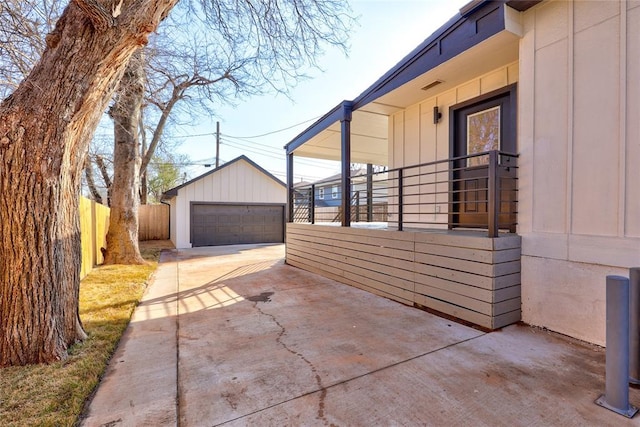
(45, 129)
(122, 237)
(143, 172)
(144, 189)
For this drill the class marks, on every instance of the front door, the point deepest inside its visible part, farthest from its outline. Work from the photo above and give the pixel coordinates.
(481, 125)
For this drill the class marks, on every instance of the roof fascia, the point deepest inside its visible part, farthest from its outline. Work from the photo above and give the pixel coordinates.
(478, 21)
(174, 191)
(340, 112)
(263, 170)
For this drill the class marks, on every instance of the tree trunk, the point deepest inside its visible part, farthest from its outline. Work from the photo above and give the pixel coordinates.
(122, 238)
(45, 129)
(144, 189)
(143, 171)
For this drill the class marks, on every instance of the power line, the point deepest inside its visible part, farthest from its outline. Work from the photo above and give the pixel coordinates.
(273, 153)
(252, 136)
(235, 140)
(277, 173)
(197, 135)
(277, 131)
(254, 150)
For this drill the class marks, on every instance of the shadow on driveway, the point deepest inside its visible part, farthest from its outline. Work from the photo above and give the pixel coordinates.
(233, 336)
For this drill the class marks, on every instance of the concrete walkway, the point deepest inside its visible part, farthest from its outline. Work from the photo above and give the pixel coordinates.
(232, 336)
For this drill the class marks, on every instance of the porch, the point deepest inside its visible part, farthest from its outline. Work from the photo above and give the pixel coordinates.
(446, 244)
(434, 226)
(459, 273)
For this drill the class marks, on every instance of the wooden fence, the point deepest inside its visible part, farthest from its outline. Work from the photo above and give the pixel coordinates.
(94, 223)
(153, 222)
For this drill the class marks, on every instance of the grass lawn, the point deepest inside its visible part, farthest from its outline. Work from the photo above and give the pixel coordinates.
(54, 395)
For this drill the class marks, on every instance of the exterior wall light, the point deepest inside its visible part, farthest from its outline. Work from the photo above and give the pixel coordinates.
(437, 115)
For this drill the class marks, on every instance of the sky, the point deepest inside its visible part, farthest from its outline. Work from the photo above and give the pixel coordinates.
(259, 127)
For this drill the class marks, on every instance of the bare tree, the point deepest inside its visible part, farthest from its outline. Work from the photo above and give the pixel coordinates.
(47, 122)
(122, 236)
(23, 25)
(45, 128)
(165, 173)
(199, 69)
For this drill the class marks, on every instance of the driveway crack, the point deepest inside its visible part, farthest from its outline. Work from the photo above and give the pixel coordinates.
(323, 391)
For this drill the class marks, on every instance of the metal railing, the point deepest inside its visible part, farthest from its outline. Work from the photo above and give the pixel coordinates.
(477, 191)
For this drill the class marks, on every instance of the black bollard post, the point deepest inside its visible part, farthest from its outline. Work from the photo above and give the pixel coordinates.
(616, 394)
(634, 325)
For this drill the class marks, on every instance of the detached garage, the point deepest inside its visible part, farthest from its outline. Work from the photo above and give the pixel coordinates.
(237, 203)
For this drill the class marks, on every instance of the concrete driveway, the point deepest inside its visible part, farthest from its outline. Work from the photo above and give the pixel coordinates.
(233, 336)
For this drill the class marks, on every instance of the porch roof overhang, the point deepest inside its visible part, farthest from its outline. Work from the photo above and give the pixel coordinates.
(482, 36)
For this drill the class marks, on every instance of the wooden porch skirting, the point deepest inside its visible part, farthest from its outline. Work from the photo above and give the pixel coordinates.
(464, 274)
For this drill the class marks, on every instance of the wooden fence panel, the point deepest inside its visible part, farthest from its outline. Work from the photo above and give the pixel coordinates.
(94, 223)
(100, 227)
(153, 222)
(86, 237)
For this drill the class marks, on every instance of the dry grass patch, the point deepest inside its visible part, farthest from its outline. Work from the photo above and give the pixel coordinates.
(54, 395)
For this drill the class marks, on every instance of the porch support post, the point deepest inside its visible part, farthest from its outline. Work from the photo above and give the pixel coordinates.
(345, 128)
(369, 192)
(290, 192)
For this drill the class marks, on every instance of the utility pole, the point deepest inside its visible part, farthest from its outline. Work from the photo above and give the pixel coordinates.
(217, 144)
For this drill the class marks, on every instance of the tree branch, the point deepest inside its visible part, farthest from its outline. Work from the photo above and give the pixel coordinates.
(88, 172)
(105, 176)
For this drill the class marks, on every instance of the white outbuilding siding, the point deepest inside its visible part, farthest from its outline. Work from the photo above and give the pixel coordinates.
(240, 182)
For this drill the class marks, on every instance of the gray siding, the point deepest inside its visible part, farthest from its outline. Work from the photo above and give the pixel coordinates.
(466, 275)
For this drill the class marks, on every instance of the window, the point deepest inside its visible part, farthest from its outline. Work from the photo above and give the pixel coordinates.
(321, 193)
(483, 134)
(334, 192)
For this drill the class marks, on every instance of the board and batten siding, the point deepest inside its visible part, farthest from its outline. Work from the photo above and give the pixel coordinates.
(579, 176)
(465, 275)
(415, 139)
(239, 183)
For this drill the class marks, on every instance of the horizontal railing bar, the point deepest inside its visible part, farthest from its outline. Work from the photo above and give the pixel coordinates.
(432, 194)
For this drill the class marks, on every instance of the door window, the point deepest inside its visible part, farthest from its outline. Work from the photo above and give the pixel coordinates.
(483, 134)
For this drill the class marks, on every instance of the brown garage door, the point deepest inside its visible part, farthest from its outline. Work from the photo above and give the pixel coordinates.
(224, 224)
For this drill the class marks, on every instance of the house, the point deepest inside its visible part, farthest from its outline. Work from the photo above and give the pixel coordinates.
(368, 197)
(511, 140)
(236, 203)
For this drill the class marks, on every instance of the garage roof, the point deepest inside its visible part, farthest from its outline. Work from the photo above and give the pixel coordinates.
(174, 191)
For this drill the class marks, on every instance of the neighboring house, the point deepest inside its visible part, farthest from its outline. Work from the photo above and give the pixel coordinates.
(236, 203)
(328, 191)
(368, 198)
(550, 89)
